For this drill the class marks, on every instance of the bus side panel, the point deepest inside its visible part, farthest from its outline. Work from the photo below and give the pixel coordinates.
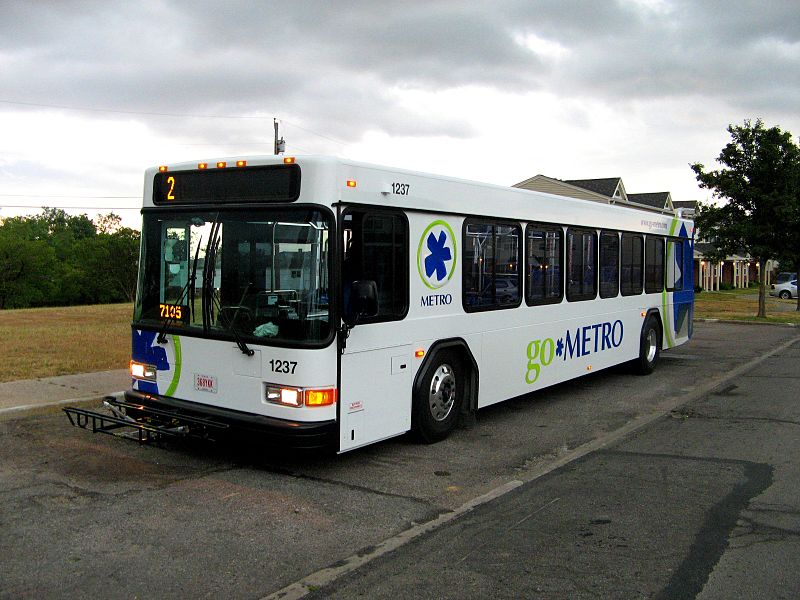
(521, 360)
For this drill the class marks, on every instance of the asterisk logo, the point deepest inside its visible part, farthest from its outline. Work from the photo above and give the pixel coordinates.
(434, 262)
(560, 347)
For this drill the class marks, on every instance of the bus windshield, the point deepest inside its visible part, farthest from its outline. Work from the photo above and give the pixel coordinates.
(256, 276)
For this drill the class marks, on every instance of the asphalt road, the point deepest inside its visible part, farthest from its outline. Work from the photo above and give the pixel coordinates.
(682, 484)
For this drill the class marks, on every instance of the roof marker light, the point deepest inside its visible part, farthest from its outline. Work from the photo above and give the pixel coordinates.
(241, 163)
(202, 166)
(222, 164)
(163, 169)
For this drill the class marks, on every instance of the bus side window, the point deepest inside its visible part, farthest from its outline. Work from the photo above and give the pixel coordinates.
(654, 265)
(545, 251)
(631, 264)
(609, 264)
(674, 265)
(491, 276)
(581, 264)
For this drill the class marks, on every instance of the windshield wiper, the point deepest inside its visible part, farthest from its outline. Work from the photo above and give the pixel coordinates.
(162, 333)
(208, 275)
(193, 279)
(239, 341)
(209, 300)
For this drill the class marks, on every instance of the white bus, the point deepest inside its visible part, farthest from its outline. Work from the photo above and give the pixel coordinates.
(330, 303)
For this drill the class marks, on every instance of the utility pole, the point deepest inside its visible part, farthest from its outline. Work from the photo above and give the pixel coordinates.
(280, 144)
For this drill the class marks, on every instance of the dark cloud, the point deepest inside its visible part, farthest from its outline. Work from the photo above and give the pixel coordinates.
(335, 66)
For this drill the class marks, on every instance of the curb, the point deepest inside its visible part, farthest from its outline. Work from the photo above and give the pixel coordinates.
(742, 322)
(52, 407)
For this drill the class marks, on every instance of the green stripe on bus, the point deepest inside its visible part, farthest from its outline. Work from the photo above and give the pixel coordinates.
(664, 307)
(176, 376)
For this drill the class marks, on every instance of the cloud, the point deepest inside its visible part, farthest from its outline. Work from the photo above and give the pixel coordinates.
(566, 87)
(340, 62)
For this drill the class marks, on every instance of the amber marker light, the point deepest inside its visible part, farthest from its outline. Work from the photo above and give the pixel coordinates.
(324, 397)
(163, 169)
(202, 166)
(351, 183)
(241, 163)
(419, 353)
(288, 160)
(222, 164)
(643, 313)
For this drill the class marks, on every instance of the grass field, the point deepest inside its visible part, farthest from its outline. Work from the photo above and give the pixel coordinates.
(742, 305)
(41, 342)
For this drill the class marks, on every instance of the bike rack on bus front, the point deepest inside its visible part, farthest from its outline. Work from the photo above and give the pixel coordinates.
(154, 424)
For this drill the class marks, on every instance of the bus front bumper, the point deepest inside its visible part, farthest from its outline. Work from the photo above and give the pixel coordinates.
(278, 432)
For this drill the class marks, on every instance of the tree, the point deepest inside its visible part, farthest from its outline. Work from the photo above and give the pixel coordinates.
(55, 259)
(26, 271)
(759, 187)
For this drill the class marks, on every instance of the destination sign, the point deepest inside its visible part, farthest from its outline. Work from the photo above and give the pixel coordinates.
(270, 183)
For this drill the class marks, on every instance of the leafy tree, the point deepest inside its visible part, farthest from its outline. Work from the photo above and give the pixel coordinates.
(26, 271)
(759, 187)
(54, 258)
(110, 223)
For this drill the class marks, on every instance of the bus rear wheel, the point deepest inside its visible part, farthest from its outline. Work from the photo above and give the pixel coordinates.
(438, 398)
(649, 347)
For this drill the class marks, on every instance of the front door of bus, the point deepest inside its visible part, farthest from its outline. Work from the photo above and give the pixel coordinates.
(375, 385)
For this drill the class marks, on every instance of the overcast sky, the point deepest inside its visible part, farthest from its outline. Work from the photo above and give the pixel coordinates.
(92, 93)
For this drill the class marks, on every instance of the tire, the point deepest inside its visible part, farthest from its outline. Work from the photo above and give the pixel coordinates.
(649, 347)
(438, 398)
(785, 294)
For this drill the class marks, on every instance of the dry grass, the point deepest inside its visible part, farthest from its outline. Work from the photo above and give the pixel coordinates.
(742, 305)
(42, 342)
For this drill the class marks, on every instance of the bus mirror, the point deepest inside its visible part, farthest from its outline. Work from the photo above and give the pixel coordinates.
(363, 299)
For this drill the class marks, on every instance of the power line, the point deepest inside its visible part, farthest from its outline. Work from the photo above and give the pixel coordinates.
(165, 114)
(130, 112)
(73, 197)
(38, 206)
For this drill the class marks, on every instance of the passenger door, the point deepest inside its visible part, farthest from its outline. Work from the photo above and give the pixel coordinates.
(375, 384)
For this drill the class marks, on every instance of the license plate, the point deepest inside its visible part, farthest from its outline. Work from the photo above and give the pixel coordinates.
(205, 383)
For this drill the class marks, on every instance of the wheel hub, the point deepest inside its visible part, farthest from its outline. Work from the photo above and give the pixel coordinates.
(442, 395)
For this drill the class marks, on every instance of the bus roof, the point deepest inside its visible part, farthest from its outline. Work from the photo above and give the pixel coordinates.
(330, 180)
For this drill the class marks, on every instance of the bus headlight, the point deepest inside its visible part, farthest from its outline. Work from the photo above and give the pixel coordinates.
(143, 371)
(292, 396)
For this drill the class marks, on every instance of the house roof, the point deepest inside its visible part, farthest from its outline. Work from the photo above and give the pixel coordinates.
(654, 199)
(609, 190)
(605, 187)
(685, 204)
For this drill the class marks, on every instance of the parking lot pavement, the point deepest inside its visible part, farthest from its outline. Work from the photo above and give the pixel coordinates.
(85, 515)
(703, 503)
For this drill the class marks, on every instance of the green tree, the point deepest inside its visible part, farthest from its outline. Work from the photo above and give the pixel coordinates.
(758, 187)
(54, 258)
(26, 271)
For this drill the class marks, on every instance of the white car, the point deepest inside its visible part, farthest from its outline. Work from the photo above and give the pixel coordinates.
(787, 289)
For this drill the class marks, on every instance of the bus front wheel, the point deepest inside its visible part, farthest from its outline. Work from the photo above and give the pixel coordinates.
(438, 398)
(649, 347)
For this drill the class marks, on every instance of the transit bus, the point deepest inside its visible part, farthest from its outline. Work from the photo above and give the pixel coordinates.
(329, 303)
